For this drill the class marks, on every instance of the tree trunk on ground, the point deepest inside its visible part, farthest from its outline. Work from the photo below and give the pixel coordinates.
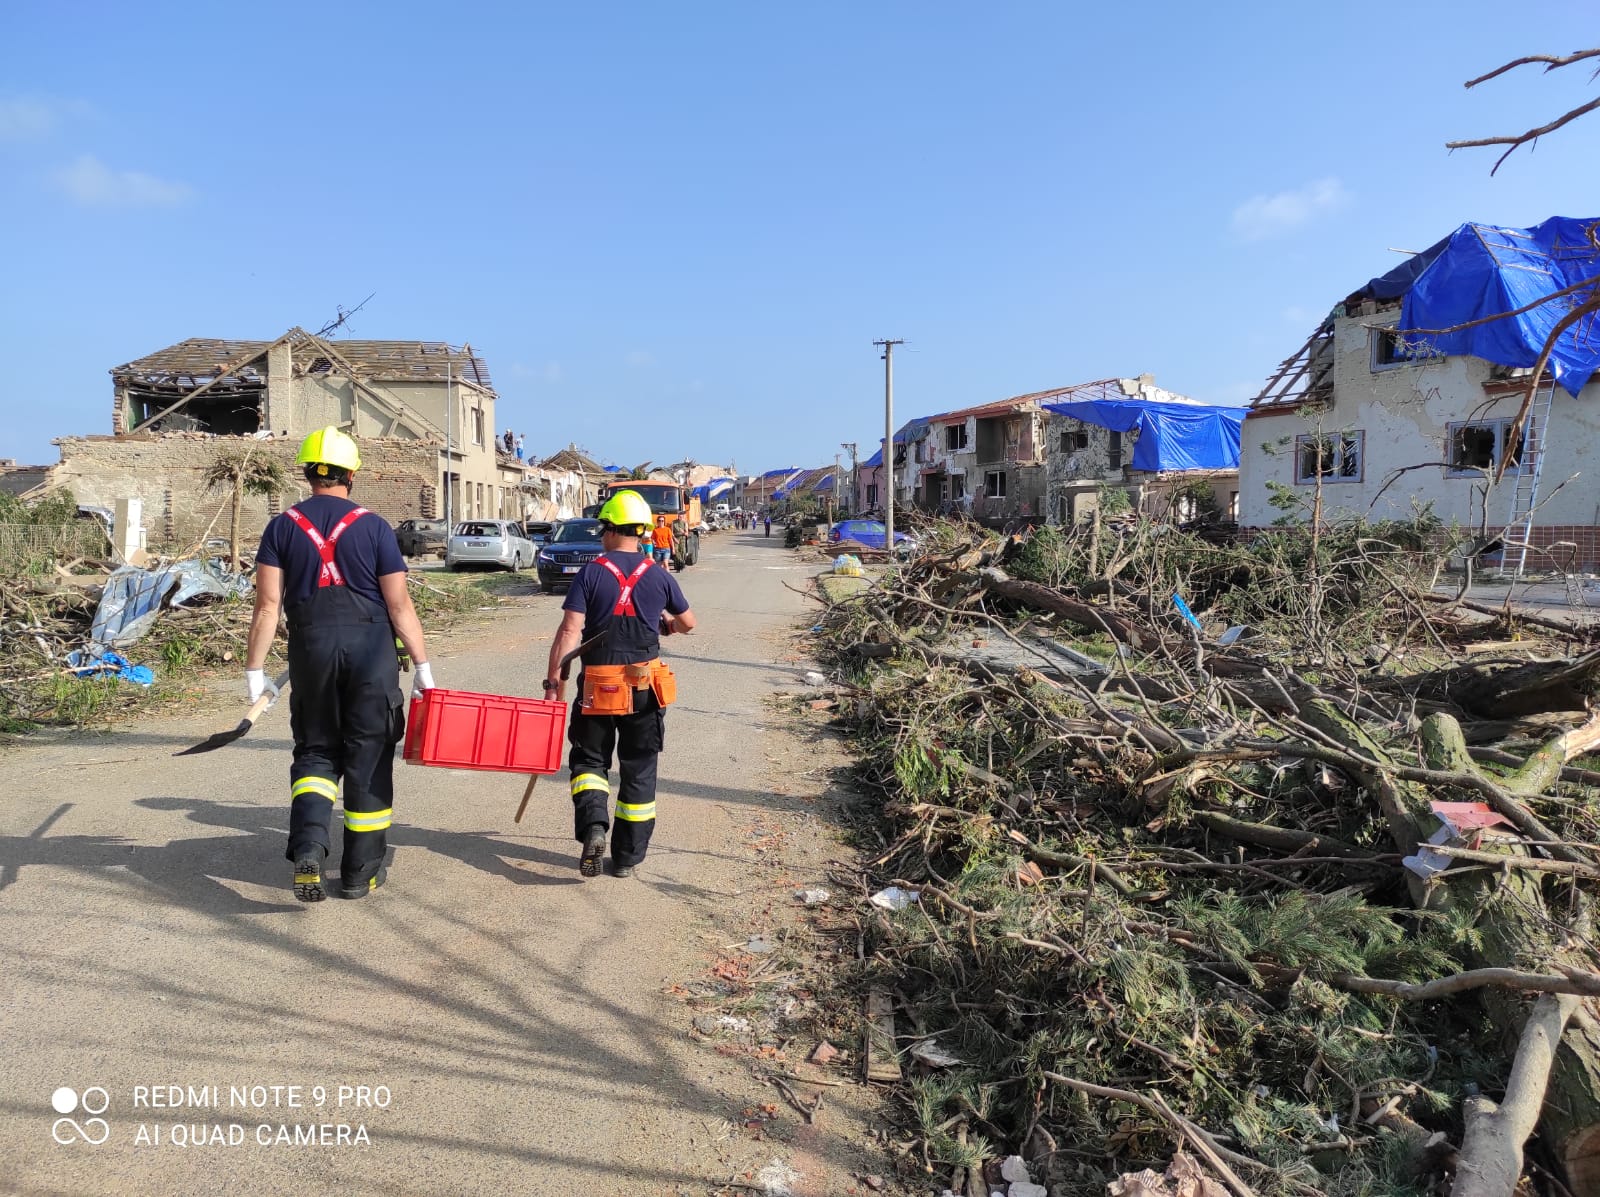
(1043, 598)
(1515, 929)
(1490, 1163)
(1492, 693)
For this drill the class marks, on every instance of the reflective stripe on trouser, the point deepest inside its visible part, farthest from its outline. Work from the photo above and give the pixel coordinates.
(636, 740)
(345, 713)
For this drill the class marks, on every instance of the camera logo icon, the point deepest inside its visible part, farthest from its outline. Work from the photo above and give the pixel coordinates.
(67, 1101)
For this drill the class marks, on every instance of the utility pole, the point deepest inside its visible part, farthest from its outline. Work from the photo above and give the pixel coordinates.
(855, 480)
(449, 459)
(888, 443)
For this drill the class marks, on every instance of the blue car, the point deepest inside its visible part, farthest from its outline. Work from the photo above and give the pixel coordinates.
(870, 534)
(572, 545)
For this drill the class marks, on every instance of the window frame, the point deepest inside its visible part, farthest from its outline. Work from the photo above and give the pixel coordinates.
(955, 438)
(990, 479)
(1358, 436)
(1376, 335)
(1501, 426)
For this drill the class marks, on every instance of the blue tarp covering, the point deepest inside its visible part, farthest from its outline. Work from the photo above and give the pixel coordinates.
(909, 431)
(1485, 270)
(708, 491)
(868, 533)
(1172, 436)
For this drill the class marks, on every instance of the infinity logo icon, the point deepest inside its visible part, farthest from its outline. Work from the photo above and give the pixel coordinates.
(93, 1131)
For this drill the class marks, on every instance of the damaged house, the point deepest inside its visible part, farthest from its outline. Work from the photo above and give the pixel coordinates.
(986, 461)
(1376, 416)
(422, 411)
(1174, 457)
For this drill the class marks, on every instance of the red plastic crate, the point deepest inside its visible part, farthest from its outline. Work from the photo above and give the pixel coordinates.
(457, 729)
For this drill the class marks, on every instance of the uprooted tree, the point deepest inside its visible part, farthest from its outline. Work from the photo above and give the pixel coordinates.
(1162, 893)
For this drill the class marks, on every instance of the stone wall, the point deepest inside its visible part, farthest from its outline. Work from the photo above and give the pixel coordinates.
(398, 480)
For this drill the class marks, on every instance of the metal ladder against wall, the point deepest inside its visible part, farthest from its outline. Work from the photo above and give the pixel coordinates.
(1525, 493)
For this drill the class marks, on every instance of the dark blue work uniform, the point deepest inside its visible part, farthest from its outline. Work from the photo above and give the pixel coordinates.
(344, 702)
(626, 605)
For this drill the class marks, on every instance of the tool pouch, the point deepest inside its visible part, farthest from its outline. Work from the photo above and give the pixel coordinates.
(664, 682)
(606, 690)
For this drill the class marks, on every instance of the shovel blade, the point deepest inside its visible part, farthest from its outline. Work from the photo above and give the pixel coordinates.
(219, 740)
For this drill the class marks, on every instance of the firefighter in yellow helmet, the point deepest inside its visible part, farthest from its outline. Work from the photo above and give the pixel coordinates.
(335, 571)
(619, 605)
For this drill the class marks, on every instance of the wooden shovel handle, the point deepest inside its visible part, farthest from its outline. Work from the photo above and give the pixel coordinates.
(260, 705)
(526, 794)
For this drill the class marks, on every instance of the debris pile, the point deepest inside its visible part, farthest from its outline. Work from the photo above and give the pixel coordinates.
(1226, 868)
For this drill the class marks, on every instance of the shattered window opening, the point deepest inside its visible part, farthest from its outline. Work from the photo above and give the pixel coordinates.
(1476, 448)
(1390, 349)
(1333, 458)
(994, 484)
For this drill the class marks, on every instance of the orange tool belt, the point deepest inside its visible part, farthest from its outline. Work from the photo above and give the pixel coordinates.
(609, 689)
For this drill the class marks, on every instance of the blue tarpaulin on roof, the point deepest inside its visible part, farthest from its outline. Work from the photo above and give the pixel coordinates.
(1487, 270)
(706, 492)
(1172, 436)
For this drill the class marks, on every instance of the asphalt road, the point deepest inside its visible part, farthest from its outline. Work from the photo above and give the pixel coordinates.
(491, 1022)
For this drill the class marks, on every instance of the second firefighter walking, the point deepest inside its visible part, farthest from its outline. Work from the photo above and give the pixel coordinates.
(616, 610)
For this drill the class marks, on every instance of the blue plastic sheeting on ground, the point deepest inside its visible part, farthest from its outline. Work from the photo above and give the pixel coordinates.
(133, 598)
(868, 533)
(84, 663)
(1487, 270)
(1172, 436)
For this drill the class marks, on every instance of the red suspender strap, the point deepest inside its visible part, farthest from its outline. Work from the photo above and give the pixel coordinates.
(329, 574)
(625, 599)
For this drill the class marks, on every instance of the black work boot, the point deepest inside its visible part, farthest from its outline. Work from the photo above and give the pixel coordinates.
(621, 870)
(308, 875)
(594, 850)
(366, 887)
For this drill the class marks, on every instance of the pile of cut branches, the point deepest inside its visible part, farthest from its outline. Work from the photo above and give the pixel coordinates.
(1174, 886)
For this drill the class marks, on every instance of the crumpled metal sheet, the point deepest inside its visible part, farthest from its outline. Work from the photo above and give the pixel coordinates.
(133, 598)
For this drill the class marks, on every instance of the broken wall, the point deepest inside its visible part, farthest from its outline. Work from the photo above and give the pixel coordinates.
(1397, 421)
(398, 480)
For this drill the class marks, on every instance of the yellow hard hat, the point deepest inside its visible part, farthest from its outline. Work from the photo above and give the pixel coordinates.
(330, 446)
(626, 508)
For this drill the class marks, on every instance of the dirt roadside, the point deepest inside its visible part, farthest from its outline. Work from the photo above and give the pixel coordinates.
(535, 1034)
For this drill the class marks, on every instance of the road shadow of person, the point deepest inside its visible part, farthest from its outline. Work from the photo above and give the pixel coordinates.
(481, 850)
(191, 872)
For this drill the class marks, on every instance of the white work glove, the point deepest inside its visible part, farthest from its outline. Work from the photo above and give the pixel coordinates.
(422, 678)
(256, 683)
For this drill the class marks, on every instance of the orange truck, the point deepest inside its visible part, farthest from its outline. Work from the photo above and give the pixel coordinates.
(678, 505)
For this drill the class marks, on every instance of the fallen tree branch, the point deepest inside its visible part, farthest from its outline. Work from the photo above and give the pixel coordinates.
(1564, 868)
(1490, 1163)
(1575, 982)
(1213, 1152)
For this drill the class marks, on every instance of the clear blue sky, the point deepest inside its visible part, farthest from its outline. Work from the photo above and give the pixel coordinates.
(675, 229)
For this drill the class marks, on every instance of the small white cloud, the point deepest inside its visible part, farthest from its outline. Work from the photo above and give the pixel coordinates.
(1264, 216)
(92, 183)
(24, 120)
(552, 372)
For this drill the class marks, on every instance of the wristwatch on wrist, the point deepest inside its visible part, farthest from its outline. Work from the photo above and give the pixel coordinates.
(551, 685)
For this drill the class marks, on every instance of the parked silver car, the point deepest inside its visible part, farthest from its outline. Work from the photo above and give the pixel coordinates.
(489, 542)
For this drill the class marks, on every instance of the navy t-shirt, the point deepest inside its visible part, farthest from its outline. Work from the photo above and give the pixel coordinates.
(595, 593)
(367, 550)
